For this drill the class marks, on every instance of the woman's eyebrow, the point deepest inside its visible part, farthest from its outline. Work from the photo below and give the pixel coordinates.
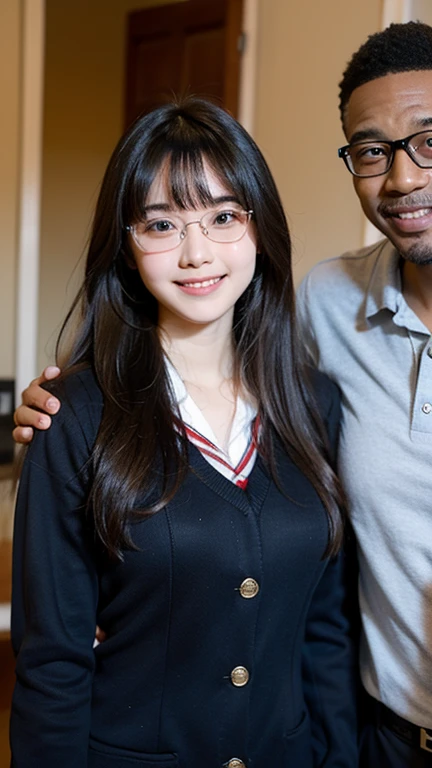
(158, 207)
(226, 199)
(169, 208)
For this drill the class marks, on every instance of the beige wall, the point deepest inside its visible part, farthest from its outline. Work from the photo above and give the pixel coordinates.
(421, 9)
(83, 116)
(303, 48)
(10, 42)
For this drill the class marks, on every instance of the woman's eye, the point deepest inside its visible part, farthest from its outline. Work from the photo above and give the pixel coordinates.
(225, 217)
(161, 226)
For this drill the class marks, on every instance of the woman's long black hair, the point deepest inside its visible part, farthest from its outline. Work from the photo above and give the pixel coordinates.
(141, 450)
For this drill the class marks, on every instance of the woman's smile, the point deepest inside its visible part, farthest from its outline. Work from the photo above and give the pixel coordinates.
(200, 286)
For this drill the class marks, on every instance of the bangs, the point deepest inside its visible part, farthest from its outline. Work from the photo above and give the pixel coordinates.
(183, 168)
(187, 180)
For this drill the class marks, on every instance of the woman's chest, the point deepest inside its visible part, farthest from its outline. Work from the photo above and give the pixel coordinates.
(194, 556)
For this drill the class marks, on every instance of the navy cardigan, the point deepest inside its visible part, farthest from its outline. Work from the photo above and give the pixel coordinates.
(160, 691)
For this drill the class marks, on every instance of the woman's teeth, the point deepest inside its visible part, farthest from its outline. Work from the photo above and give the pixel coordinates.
(203, 284)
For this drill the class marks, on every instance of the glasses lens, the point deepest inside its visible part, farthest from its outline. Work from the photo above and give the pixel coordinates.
(369, 158)
(157, 234)
(225, 225)
(420, 148)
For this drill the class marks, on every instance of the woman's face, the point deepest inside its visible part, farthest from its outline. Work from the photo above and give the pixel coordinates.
(198, 281)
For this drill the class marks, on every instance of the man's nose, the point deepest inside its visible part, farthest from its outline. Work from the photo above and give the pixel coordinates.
(196, 248)
(405, 176)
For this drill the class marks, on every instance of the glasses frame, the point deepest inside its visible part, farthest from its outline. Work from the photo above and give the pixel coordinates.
(183, 232)
(343, 152)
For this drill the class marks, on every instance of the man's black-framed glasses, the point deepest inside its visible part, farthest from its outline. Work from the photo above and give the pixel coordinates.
(374, 158)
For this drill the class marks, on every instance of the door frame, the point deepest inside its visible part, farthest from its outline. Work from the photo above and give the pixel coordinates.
(29, 192)
(248, 67)
(30, 183)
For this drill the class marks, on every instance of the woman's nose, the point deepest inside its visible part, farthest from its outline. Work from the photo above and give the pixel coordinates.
(195, 248)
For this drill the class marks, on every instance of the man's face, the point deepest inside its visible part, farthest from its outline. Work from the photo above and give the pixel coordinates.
(399, 203)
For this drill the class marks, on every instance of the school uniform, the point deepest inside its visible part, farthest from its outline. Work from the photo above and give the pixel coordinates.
(228, 642)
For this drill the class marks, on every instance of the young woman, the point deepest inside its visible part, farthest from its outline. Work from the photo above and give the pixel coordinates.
(184, 498)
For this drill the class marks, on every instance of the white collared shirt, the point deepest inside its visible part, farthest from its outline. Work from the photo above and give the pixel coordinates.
(237, 461)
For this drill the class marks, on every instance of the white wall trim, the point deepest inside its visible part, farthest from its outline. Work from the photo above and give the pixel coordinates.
(249, 66)
(32, 81)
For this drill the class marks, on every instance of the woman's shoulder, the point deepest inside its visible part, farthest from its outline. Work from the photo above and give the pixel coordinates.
(62, 452)
(79, 384)
(324, 390)
(81, 402)
(326, 399)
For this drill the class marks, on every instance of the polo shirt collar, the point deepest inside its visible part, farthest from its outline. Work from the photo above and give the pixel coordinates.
(384, 290)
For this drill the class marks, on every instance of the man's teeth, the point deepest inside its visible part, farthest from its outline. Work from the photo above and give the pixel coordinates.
(203, 284)
(414, 214)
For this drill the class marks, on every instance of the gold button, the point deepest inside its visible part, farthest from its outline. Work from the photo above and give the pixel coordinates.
(235, 763)
(249, 588)
(239, 676)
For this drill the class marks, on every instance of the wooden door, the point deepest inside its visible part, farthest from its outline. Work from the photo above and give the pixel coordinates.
(191, 47)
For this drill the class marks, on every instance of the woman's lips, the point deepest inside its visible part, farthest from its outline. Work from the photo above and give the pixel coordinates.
(200, 286)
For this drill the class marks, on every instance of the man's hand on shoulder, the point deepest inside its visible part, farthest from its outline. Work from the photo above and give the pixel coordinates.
(36, 404)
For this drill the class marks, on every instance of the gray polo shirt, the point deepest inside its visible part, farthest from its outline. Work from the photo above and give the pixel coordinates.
(358, 329)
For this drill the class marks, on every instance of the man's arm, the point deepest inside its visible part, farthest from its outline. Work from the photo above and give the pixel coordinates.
(36, 404)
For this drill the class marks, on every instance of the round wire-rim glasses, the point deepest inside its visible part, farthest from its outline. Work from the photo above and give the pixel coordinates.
(375, 158)
(158, 234)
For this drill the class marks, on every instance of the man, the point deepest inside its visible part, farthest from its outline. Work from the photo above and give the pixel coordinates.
(366, 320)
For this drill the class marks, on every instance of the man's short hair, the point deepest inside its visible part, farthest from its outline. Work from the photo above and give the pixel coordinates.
(398, 48)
